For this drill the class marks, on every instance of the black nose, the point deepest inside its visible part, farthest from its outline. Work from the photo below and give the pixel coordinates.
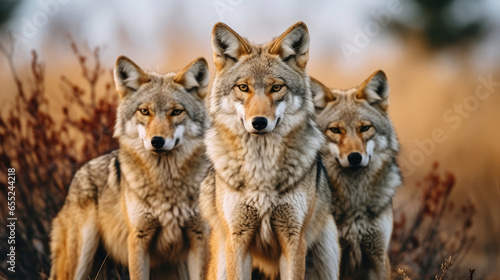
(259, 123)
(354, 158)
(157, 142)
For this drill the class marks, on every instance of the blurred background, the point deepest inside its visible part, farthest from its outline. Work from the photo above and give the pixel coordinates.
(442, 59)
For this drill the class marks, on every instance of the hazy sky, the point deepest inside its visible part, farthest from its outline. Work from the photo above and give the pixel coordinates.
(136, 27)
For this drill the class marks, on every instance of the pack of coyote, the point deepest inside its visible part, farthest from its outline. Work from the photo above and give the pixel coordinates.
(266, 174)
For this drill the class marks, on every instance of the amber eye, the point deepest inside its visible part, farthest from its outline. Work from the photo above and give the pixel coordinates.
(243, 87)
(335, 130)
(176, 112)
(276, 88)
(364, 128)
(145, 112)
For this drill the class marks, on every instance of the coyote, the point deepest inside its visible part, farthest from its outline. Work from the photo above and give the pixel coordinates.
(360, 157)
(267, 197)
(140, 201)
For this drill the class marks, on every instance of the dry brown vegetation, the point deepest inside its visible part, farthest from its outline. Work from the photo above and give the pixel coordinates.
(435, 230)
(46, 151)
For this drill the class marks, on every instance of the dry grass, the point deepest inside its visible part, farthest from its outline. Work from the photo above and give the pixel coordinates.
(444, 268)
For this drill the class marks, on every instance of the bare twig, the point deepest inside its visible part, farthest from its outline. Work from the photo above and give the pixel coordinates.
(9, 54)
(471, 274)
(444, 267)
(102, 264)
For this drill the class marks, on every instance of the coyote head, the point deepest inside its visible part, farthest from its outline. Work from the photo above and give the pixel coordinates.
(158, 112)
(355, 121)
(259, 89)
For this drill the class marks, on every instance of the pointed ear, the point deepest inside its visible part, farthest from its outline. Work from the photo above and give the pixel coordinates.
(293, 45)
(194, 77)
(322, 95)
(375, 90)
(227, 46)
(128, 76)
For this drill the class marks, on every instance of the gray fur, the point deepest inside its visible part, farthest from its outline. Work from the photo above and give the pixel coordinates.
(142, 206)
(362, 196)
(266, 194)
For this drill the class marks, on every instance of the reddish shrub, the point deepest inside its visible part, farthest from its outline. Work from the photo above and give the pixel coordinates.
(420, 244)
(46, 152)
